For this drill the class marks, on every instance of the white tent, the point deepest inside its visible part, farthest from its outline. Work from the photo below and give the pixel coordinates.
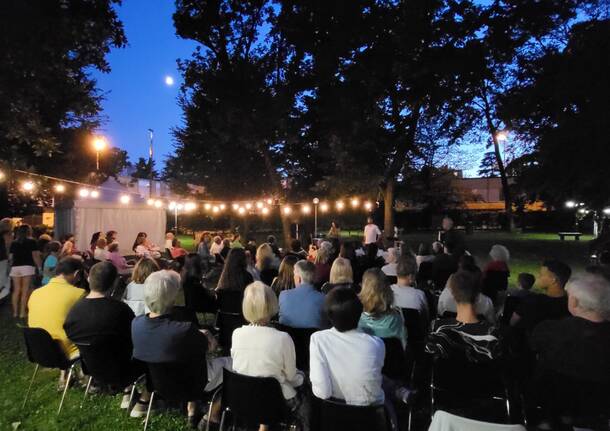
(85, 216)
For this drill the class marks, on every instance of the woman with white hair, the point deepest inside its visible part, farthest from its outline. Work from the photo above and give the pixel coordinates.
(260, 350)
(576, 349)
(158, 338)
(496, 272)
(389, 269)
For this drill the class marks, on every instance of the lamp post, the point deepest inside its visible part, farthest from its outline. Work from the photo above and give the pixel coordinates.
(316, 201)
(150, 162)
(99, 144)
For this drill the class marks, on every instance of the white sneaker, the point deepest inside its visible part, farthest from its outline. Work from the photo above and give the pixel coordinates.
(125, 400)
(139, 409)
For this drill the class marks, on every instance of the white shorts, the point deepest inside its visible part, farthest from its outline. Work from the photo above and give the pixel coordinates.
(23, 271)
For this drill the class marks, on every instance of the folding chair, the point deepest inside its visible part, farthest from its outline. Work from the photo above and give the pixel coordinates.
(301, 338)
(337, 416)
(252, 401)
(46, 352)
(229, 316)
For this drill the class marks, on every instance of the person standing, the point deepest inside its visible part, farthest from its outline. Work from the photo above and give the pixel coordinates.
(371, 232)
(449, 235)
(334, 232)
(25, 260)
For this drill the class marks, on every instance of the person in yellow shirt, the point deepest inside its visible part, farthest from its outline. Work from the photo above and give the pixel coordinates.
(49, 305)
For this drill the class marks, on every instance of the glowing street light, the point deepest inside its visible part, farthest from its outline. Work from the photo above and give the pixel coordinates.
(502, 136)
(570, 204)
(316, 202)
(99, 144)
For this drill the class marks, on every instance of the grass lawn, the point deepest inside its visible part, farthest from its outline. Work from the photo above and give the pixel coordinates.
(101, 412)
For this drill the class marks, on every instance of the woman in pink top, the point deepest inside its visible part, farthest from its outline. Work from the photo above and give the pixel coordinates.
(117, 259)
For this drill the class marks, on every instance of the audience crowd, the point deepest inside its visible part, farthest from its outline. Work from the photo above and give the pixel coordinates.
(379, 319)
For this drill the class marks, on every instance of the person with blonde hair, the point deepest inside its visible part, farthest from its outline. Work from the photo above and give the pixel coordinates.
(260, 350)
(341, 275)
(266, 263)
(379, 317)
(134, 292)
(285, 276)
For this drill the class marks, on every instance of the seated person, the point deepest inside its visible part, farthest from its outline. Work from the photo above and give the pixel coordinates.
(464, 338)
(389, 268)
(301, 307)
(346, 363)
(176, 251)
(483, 304)
(97, 315)
(405, 295)
(525, 282)
(496, 273)
(576, 350)
(49, 305)
(100, 252)
(50, 262)
(216, 247)
(117, 259)
(322, 267)
(341, 275)
(157, 338)
(296, 249)
(371, 258)
(379, 317)
(443, 265)
(260, 350)
(552, 304)
(169, 241)
(134, 292)
(424, 254)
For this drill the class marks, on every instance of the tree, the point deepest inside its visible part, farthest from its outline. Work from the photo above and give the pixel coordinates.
(562, 106)
(145, 169)
(47, 48)
(489, 165)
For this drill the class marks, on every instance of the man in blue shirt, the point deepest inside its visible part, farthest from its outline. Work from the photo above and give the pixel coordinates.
(301, 307)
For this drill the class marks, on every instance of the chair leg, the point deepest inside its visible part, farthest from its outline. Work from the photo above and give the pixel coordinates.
(133, 389)
(63, 397)
(150, 403)
(222, 420)
(207, 425)
(86, 391)
(27, 394)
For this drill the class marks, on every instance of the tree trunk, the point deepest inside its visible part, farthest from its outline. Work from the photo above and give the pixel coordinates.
(493, 130)
(388, 208)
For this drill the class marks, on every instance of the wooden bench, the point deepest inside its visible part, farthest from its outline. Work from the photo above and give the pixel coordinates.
(576, 235)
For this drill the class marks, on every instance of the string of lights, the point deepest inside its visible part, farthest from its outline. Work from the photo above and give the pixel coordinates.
(262, 206)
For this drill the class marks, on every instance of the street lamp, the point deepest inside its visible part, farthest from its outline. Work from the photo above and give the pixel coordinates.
(99, 144)
(316, 201)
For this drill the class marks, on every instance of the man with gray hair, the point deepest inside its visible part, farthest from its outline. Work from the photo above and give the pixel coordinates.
(576, 351)
(157, 338)
(301, 307)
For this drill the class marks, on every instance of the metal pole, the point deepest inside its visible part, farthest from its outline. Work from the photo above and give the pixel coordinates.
(97, 160)
(176, 219)
(315, 218)
(150, 163)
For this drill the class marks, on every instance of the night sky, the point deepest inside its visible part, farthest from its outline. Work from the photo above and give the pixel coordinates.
(137, 98)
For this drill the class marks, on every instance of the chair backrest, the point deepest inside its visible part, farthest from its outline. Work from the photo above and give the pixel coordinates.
(416, 331)
(107, 360)
(453, 315)
(336, 416)
(424, 273)
(443, 421)
(229, 301)
(230, 316)
(395, 365)
(466, 379)
(179, 381)
(253, 400)
(391, 279)
(301, 338)
(43, 350)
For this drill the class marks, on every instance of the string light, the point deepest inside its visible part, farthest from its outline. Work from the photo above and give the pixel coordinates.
(306, 209)
(158, 204)
(125, 199)
(215, 209)
(190, 206)
(259, 205)
(248, 205)
(265, 210)
(236, 207)
(340, 205)
(269, 201)
(241, 210)
(207, 206)
(287, 210)
(222, 207)
(172, 205)
(355, 202)
(324, 207)
(83, 193)
(180, 207)
(368, 205)
(28, 186)
(95, 194)
(2, 176)
(60, 188)
(150, 202)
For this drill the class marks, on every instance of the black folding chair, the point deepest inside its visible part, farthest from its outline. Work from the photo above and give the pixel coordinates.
(229, 316)
(395, 365)
(46, 352)
(337, 416)
(301, 338)
(425, 275)
(510, 305)
(252, 401)
(460, 387)
(177, 381)
(494, 282)
(107, 360)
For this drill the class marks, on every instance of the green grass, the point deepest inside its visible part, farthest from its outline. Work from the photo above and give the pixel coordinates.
(187, 242)
(101, 412)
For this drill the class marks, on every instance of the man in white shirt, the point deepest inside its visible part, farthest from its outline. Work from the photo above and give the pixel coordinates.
(405, 295)
(371, 232)
(346, 363)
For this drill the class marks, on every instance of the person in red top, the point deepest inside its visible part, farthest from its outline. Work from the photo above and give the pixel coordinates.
(177, 249)
(496, 272)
